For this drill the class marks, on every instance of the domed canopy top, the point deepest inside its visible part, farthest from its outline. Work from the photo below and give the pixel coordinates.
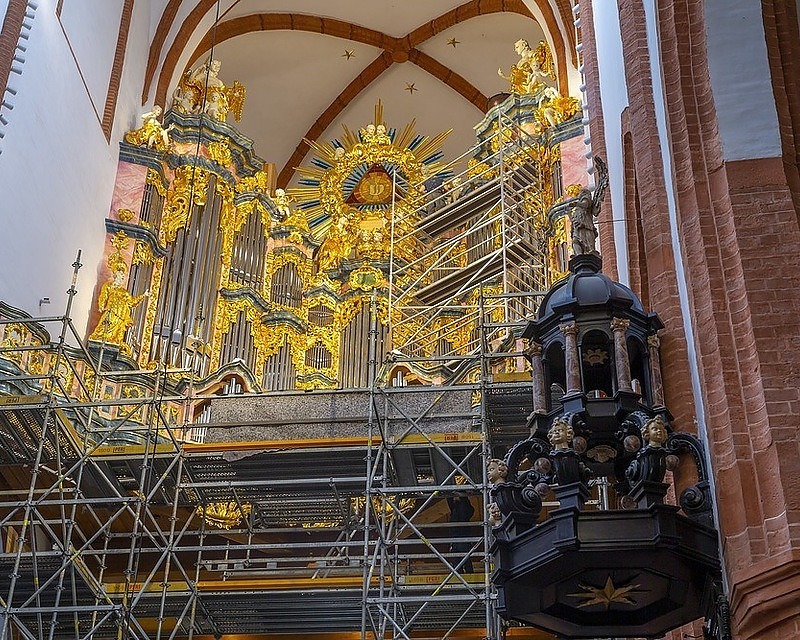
(586, 288)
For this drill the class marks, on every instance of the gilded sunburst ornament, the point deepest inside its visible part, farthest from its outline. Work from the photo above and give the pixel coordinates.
(355, 183)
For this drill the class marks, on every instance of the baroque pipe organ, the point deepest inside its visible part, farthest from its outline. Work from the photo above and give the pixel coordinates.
(210, 269)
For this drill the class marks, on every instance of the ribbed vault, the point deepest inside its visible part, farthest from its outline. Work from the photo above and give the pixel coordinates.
(179, 32)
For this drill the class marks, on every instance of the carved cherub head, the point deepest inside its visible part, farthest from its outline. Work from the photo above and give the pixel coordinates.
(496, 471)
(654, 432)
(495, 515)
(561, 433)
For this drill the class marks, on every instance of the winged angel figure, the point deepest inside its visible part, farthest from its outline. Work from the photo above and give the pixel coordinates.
(585, 209)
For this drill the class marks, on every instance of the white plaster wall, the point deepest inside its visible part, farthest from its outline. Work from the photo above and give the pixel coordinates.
(740, 79)
(3, 7)
(614, 97)
(57, 170)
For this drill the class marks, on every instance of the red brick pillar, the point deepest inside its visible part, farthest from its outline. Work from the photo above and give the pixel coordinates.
(9, 34)
(605, 222)
(741, 242)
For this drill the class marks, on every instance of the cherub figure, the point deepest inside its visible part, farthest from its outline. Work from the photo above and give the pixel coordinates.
(561, 434)
(496, 471)
(282, 203)
(151, 133)
(654, 432)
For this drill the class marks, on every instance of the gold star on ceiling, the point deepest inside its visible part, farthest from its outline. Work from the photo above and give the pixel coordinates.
(349, 53)
(411, 87)
(608, 595)
(453, 42)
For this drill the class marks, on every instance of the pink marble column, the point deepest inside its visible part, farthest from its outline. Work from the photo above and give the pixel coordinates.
(539, 399)
(572, 361)
(656, 383)
(619, 326)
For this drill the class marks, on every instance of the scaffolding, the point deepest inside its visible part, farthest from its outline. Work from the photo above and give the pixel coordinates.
(330, 511)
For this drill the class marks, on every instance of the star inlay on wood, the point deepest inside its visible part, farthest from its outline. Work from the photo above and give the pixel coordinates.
(607, 595)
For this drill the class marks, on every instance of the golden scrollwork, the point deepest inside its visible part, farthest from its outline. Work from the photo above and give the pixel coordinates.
(142, 253)
(367, 278)
(154, 179)
(220, 152)
(258, 182)
(120, 241)
(152, 306)
(224, 515)
(190, 183)
(126, 215)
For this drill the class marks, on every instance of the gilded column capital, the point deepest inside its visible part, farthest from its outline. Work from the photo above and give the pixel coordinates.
(654, 341)
(569, 328)
(620, 324)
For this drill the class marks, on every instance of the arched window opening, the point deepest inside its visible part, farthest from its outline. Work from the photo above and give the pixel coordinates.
(555, 374)
(640, 377)
(597, 365)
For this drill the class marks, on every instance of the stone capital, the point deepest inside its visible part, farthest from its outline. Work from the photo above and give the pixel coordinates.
(654, 341)
(569, 328)
(534, 349)
(620, 324)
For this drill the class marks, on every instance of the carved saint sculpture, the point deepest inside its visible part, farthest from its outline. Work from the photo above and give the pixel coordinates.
(585, 208)
(584, 233)
(524, 75)
(116, 305)
(202, 90)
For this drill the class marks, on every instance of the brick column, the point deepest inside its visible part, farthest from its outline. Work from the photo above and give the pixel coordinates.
(9, 34)
(597, 130)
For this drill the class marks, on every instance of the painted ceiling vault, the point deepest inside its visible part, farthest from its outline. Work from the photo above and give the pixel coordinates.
(310, 66)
